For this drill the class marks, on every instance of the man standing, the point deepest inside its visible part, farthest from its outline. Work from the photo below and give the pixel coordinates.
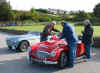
(71, 38)
(87, 37)
(47, 31)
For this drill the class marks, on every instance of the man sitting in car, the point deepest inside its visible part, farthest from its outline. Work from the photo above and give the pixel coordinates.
(47, 31)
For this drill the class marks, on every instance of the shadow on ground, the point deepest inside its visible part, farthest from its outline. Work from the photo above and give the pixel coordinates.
(21, 66)
(5, 51)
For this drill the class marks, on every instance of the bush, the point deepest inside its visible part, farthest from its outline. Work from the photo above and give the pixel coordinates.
(81, 15)
(97, 10)
(95, 21)
(68, 19)
(55, 18)
(44, 19)
(79, 24)
(35, 19)
(42, 10)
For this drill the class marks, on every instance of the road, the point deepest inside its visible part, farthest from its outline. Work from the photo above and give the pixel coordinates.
(13, 62)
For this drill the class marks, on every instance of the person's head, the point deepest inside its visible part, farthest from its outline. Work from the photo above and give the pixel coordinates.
(86, 22)
(62, 23)
(53, 23)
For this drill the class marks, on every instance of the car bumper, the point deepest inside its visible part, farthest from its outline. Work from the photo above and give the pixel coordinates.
(41, 61)
(12, 45)
(44, 61)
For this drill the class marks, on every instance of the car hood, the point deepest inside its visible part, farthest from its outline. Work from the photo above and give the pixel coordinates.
(46, 46)
(22, 37)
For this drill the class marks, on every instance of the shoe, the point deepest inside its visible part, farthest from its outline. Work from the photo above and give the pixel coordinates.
(86, 57)
(70, 66)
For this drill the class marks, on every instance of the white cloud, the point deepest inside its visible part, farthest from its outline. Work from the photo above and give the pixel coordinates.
(68, 5)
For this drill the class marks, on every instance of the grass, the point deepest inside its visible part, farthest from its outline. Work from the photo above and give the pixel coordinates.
(40, 28)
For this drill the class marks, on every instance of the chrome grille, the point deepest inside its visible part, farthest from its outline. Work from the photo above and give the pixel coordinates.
(9, 42)
(41, 54)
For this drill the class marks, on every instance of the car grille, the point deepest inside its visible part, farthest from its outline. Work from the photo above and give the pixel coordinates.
(41, 54)
(9, 42)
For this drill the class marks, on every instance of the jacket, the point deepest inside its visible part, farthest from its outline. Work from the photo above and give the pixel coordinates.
(47, 31)
(88, 35)
(69, 34)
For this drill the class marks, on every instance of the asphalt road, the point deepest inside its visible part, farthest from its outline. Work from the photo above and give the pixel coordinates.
(13, 62)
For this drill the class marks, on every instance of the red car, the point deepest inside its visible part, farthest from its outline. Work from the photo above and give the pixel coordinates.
(52, 52)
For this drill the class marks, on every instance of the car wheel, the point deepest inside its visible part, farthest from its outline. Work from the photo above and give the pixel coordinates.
(63, 60)
(23, 46)
(9, 48)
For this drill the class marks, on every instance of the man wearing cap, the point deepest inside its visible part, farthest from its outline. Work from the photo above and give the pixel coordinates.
(47, 31)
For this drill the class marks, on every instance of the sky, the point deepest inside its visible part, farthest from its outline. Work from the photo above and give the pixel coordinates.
(68, 5)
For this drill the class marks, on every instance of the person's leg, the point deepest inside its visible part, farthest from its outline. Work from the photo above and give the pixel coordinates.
(87, 50)
(72, 54)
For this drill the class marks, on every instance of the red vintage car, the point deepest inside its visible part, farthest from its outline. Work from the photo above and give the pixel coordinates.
(54, 51)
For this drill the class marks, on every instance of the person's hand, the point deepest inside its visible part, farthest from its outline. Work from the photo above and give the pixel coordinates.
(82, 31)
(53, 33)
(59, 33)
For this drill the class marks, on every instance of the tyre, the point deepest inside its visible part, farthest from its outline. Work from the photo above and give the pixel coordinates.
(9, 48)
(23, 46)
(63, 60)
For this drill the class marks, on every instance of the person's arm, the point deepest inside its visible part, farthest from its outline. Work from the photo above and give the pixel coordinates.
(46, 30)
(56, 30)
(63, 34)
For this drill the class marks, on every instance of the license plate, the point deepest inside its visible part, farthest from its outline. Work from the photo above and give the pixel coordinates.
(37, 60)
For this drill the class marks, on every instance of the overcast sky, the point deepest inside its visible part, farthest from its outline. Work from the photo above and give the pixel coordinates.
(74, 5)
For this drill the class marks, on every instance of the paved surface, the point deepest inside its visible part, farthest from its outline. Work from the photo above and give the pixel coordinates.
(12, 62)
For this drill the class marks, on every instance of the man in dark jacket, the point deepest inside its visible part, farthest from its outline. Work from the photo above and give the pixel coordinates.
(47, 31)
(71, 38)
(87, 37)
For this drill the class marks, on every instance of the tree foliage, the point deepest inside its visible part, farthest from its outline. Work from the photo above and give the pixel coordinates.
(42, 10)
(33, 11)
(81, 15)
(4, 10)
(97, 10)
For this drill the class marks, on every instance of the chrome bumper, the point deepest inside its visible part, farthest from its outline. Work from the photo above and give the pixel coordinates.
(12, 45)
(44, 61)
(41, 61)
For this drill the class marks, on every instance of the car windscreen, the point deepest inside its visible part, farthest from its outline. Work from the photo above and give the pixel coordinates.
(34, 33)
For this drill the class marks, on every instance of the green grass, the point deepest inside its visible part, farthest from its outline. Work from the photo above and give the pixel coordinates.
(40, 28)
(34, 28)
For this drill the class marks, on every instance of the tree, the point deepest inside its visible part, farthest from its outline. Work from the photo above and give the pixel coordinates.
(42, 10)
(81, 15)
(97, 10)
(33, 11)
(4, 8)
(11, 15)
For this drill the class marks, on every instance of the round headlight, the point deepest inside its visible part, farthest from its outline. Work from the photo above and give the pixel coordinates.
(53, 54)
